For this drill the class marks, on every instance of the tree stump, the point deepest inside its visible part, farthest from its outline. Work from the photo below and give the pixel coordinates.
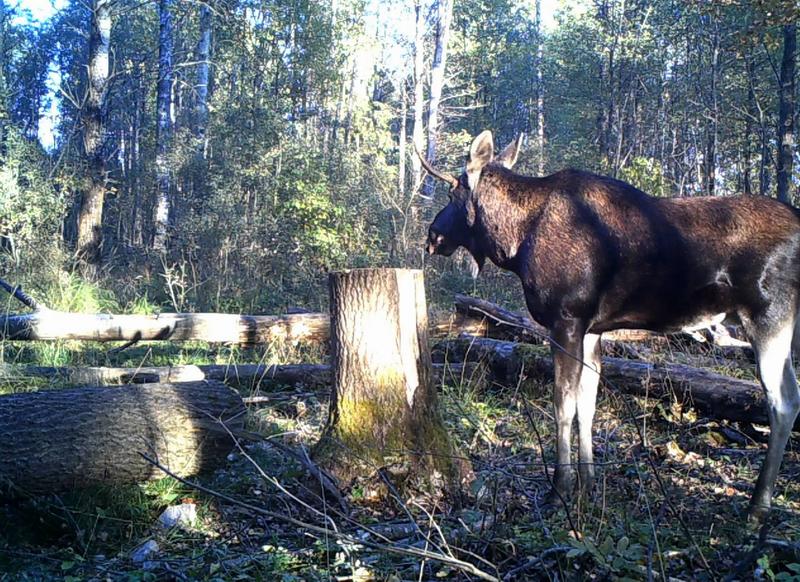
(383, 410)
(57, 440)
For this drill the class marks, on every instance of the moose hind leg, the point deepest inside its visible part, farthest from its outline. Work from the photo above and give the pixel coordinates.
(567, 351)
(586, 402)
(777, 376)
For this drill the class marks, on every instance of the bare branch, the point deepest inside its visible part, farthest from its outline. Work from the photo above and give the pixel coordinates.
(18, 294)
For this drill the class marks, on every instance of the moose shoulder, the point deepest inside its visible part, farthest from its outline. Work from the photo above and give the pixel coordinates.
(595, 254)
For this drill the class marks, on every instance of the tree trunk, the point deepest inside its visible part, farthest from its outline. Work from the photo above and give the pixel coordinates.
(401, 145)
(90, 214)
(137, 238)
(164, 126)
(58, 440)
(713, 395)
(750, 117)
(445, 13)
(383, 407)
(712, 137)
(203, 67)
(786, 112)
(539, 91)
(5, 13)
(419, 66)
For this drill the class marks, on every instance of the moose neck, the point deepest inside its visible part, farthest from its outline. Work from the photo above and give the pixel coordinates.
(506, 204)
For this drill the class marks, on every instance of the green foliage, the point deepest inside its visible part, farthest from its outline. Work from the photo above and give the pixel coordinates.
(765, 568)
(645, 174)
(31, 209)
(141, 305)
(317, 227)
(75, 294)
(619, 557)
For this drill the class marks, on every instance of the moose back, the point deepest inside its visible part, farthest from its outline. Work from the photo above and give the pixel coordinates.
(595, 254)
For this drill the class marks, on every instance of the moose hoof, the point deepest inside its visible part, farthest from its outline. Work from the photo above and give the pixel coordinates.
(757, 514)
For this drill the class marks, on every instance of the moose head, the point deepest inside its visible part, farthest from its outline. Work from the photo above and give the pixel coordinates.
(454, 225)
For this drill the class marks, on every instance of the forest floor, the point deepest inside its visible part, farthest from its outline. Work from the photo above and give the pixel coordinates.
(672, 508)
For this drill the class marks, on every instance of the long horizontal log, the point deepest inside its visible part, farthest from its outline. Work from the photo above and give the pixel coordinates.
(244, 375)
(56, 440)
(509, 325)
(250, 376)
(500, 323)
(472, 316)
(713, 395)
(209, 327)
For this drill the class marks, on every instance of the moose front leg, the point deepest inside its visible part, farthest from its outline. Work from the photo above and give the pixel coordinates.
(567, 349)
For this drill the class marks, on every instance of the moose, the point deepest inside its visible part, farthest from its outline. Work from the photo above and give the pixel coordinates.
(596, 254)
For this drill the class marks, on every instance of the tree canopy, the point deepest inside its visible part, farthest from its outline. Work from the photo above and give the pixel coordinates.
(244, 147)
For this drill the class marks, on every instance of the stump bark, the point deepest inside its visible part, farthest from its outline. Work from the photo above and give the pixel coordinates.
(58, 440)
(383, 409)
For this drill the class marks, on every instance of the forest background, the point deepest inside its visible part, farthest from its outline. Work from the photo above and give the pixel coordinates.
(224, 155)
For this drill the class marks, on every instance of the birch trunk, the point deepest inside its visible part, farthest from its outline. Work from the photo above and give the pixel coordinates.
(713, 131)
(401, 144)
(209, 327)
(164, 127)
(438, 67)
(786, 112)
(203, 67)
(539, 91)
(419, 66)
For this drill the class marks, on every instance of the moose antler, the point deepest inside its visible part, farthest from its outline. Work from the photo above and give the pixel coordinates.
(450, 179)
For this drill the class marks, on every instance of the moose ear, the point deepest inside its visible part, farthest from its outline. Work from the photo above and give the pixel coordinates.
(508, 157)
(481, 153)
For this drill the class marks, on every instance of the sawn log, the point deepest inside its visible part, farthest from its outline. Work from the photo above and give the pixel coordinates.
(57, 440)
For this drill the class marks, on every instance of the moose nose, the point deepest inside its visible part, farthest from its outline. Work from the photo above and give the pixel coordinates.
(434, 240)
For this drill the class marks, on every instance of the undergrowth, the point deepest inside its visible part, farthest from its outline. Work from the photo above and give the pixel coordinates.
(692, 528)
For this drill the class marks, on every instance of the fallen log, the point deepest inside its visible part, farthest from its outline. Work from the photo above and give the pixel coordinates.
(248, 376)
(58, 440)
(472, 316)
(209, 327)
(713, 395)
(500, 323)
(508, 325)
(512, 326)
(46, 324)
